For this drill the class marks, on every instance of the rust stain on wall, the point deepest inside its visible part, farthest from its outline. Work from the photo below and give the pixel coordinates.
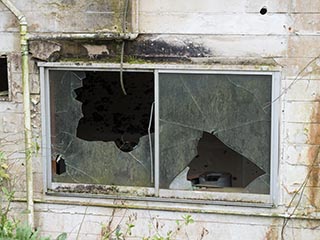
(273, 231)
(313, 156)
(314, 131)
(13, 24)
(34, 27)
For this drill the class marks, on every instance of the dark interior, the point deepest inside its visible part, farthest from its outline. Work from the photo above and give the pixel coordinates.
(214, 157)
(109, 114)
(3, 74)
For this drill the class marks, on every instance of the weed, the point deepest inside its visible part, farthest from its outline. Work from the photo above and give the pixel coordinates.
(10, 229)
(121, 232)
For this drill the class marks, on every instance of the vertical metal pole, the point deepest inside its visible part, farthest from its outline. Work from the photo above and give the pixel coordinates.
(27, 123)
(26, 106)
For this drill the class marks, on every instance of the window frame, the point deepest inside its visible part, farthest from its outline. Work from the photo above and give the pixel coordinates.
(8, 97)
(155, 193)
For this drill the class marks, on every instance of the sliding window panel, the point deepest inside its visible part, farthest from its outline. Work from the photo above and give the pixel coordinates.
(215, 132)
(99, 133)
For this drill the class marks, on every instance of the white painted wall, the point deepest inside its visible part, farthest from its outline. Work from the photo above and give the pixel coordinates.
(233, 30)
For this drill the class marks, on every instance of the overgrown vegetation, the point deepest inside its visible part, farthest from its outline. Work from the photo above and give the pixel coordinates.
(10, 228)
(124, 231)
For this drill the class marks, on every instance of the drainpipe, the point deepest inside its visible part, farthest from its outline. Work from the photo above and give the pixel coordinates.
(82, 36)
(26, 107)
(24, 36)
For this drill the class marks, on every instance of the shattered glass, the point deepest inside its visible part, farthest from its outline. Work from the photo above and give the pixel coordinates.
(234, 108)
(93, 158)
(103, 136)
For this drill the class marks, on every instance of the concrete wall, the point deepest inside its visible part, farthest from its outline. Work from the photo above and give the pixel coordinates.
(229, 34)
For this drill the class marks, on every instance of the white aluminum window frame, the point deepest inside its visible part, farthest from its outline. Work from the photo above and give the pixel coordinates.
(225, 198)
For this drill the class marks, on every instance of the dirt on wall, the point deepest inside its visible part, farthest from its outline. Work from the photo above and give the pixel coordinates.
(140, 50)
(313, 156)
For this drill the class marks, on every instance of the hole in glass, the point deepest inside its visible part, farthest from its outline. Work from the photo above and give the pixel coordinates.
(215, 125)
(218, 163)
(108, 114)
(103, 136)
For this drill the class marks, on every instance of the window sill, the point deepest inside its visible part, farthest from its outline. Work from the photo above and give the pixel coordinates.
(158, 204)
(153, 205)
(140, 194)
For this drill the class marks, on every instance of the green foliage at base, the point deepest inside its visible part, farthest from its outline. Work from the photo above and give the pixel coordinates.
(10, 229)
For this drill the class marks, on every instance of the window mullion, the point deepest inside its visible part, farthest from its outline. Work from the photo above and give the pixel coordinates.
(156, 155)
(275, 123)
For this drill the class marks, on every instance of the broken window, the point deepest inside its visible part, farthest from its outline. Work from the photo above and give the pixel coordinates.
(3, 76)
(214, 130)
(101, 134)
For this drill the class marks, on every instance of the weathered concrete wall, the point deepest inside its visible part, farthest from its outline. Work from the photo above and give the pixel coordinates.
(230, 33)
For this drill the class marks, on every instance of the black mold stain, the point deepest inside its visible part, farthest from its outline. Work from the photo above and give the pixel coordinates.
(160, 48)
(141, 48)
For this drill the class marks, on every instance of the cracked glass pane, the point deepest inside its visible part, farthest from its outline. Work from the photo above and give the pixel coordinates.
(99, 133)
(215, 131)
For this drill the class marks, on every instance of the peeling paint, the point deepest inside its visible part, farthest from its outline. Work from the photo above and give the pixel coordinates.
(95, 50)
(149, 50)
(171, 50)
(42, 50)
(145, 49)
